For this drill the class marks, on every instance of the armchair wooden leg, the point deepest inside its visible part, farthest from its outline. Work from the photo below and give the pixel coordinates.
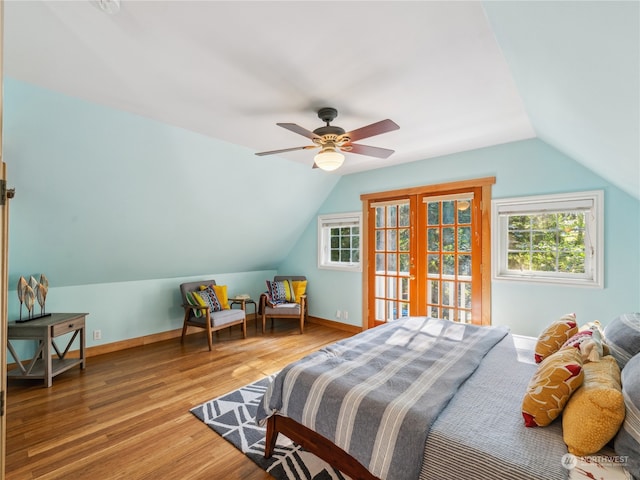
(264, 321)
(209, 332)
(184, 326)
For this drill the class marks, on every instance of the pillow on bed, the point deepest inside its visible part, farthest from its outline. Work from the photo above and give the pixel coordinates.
(589, 342)
(552, 338)
(594, 413)
(557, 377)
(623, 337)
(627, 442)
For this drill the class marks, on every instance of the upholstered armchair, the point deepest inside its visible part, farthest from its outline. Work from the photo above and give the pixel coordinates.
(203, 310)
(273, 305)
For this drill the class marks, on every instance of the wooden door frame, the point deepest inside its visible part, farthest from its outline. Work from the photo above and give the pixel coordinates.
(485, 185)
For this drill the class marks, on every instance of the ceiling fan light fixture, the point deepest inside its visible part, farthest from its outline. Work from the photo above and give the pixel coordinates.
(329, 160)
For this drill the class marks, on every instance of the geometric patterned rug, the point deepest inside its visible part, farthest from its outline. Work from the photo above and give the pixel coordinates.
(233, 417)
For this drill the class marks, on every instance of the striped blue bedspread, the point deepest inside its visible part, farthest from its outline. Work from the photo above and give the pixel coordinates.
(377, 394)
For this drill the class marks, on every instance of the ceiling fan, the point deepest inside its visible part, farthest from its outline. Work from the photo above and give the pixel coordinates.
(331, 138)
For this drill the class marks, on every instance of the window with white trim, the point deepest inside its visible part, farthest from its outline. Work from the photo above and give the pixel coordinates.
(339, 241)
(556, 239)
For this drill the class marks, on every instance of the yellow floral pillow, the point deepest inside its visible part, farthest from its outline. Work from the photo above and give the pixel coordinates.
(555, 335)
(557, 377)
(595, 412)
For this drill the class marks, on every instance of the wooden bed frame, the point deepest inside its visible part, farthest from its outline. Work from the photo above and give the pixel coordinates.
(315, 443)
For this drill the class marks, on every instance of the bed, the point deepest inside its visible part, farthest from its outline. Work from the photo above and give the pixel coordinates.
(417, 398)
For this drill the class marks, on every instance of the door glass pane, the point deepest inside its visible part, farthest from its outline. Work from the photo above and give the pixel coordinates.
(448, 212)
(404, 263)
(379, 262)
(432, 291)
(433, 213)
(392, 216)
(464, 295)
(448, 265)
(379, 240)
(391, 240)
(464, 239)
(448, 240)
(392, 266)
(464, 265)
(403, 245)
(392, 291)
(379, 217)
(404, 288)
(380, 310)
(433, 239)
(464, 211)
(391, 310)
(433, 263)
(404, 220)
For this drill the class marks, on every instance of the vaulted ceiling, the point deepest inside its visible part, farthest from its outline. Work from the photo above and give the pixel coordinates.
(454, 75)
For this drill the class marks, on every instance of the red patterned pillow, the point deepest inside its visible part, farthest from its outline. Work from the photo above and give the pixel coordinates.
(557, 377)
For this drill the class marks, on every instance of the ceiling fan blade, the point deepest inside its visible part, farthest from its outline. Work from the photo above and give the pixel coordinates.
(367, 150)
(293, 149)
(298, 129)
(383, 126)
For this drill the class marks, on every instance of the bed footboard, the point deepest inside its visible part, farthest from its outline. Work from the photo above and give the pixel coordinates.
(315, 443)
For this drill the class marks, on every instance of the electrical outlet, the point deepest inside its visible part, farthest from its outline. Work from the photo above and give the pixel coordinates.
(338, 313)
(346, 315)
(97, 334)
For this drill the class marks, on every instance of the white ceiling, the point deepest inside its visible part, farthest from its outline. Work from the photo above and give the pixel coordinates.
(232, 70)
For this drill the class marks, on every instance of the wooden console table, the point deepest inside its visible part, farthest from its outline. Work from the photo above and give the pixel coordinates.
(43, 364)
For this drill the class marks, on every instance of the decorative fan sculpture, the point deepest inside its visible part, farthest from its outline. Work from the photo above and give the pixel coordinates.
(29, 292)
(22, 284)
(332, 138)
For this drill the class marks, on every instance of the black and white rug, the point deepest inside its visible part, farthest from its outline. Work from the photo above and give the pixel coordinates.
(233, 417)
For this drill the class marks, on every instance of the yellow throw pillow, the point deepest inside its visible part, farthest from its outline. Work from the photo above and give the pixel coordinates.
(595, 412)
(557, 377)
(554, 336)
(223, 297)
(299, 288)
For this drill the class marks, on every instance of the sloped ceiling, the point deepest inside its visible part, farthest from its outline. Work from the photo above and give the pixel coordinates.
(454, 75)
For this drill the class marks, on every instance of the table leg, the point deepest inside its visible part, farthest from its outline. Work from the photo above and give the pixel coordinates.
(48, 367)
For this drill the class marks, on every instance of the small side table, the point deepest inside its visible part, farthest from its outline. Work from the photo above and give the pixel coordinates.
(243, 305)
(44, 330)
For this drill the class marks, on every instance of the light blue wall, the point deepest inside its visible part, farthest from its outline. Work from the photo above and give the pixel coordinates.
(106, 196)
(117, 210)
(126, 310)
(523, 168)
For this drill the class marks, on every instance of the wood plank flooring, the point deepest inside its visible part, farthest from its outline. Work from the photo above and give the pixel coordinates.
(127, 415)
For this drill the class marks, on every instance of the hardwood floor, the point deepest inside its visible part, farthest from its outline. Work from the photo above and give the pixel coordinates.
(127, 415)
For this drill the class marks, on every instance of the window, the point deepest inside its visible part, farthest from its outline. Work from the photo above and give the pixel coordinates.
(550, 239)
(339, 241)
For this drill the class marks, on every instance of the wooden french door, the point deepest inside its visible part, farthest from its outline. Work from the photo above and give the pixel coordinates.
(428, 253)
